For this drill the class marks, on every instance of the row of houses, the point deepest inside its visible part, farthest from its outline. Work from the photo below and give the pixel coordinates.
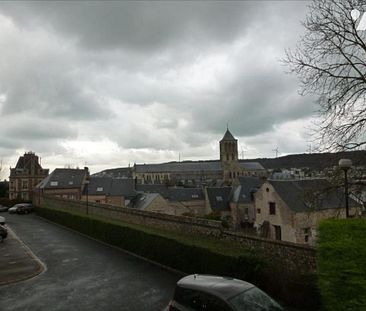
(287, 210)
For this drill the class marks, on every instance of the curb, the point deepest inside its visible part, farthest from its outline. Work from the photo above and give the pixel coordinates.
(40, 269)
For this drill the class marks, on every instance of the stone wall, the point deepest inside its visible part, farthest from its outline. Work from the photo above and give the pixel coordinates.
(285, 256)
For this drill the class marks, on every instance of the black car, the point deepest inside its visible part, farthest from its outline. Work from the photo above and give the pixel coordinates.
(215, 293)
(24, 209)
(3, 233)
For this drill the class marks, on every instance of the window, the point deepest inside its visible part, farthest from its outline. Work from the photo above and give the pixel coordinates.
(99, 189)
(71, 182)
(219, 198)
(198, 300)
(258, 210)
(267, 189)
(24, 184)
(54, 183)
(278, 234)
(194, 196)
(272, 208)
(246, 211)
(307, 234)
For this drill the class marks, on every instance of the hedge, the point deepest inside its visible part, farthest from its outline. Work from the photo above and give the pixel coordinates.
(342, 264)
(193, 255)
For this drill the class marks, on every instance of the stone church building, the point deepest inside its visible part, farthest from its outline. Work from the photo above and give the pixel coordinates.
(227, 170)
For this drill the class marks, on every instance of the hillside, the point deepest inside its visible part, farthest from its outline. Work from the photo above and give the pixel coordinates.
(314, 161)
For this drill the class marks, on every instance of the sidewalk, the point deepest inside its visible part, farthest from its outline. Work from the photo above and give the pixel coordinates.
(17, 262)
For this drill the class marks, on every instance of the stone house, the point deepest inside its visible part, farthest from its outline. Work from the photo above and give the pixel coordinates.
(107, 190)
(65, 183)
(242, 203)
(181, 200)
(291, 210)
(187, 201)
(151, 202)
(218, 201)
(27, 173)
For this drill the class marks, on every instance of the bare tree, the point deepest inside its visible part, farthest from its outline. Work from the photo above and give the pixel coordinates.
(330, 61)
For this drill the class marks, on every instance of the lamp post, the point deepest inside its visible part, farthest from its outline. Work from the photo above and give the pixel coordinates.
(345, 165)
(87, 196)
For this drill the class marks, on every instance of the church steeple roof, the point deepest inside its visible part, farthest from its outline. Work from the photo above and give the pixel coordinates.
(228, 136)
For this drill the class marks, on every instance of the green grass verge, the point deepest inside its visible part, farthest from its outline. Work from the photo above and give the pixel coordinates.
(342, 264)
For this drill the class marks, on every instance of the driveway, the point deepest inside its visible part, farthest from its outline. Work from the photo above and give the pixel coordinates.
(83, 274)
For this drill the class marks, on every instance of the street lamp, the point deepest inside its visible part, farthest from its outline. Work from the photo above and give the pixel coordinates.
(345, 165)
(87, 195)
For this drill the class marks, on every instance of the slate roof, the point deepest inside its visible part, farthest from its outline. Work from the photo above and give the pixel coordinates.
(219, 198)
(251, 166)
(111, 186)
(65, 178)
(248, 186)
(162, 189)
(185, 194)
(122, 172)
(171, 167)
(142, 200)
(28, 163)
(228, 136)
(310, 194)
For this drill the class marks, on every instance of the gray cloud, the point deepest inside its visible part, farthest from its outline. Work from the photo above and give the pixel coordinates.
(152, 78)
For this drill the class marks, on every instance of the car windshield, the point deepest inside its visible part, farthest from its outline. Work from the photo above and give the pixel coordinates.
(254, 300)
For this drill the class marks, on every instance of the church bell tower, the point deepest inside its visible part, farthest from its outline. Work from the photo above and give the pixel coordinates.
(229, 157)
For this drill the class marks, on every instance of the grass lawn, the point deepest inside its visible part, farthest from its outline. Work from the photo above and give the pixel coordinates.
(342, 264)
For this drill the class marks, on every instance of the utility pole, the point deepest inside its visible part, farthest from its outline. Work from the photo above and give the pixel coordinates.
(309, 148)
(276, 150)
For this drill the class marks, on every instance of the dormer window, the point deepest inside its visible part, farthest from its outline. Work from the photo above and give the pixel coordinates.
(194, 196)
(219, 198)
(99, 189)
(71, 182)
(54, 183)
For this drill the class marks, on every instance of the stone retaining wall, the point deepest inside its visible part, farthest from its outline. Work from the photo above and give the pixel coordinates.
(288, 257)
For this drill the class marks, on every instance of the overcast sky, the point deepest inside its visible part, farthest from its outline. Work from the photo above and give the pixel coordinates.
(105, 84)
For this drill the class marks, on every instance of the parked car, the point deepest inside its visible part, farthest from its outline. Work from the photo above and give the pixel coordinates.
(2, 220)
(21, 208)
(199, 292)
(3, 233)
(3, 208)
(25, 209)
(13, 209)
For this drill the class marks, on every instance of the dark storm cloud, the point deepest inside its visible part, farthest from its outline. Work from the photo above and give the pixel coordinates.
(137, 25)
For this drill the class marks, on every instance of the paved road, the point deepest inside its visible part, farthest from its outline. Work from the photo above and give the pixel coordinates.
(83, 274)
